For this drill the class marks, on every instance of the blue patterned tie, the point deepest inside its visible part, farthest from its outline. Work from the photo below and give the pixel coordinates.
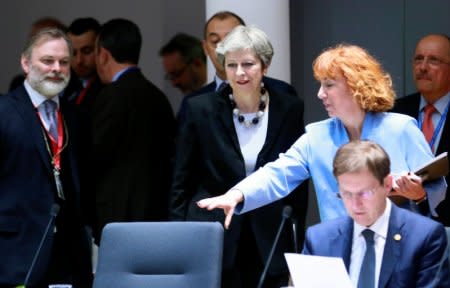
(50, 115)
(367, 272)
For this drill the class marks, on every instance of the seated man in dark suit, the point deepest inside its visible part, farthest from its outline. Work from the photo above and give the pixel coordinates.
(381, 244)
(216, 28)
(431, 72)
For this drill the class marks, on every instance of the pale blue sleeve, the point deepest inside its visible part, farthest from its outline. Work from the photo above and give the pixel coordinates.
(418, 152)
(276, 179)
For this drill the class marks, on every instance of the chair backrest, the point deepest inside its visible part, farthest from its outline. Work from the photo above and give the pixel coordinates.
(160, 254)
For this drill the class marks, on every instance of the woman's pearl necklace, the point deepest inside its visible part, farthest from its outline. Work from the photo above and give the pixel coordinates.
(241, 118)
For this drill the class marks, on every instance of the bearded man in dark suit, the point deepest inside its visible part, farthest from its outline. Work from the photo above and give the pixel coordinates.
(39, 171)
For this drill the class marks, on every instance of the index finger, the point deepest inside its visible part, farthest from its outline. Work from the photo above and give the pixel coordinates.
(228, 217)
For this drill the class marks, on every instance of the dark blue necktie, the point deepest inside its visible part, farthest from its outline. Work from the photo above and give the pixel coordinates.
(367, 272)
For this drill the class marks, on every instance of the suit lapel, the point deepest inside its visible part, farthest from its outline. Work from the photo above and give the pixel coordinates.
(276, 110)
(69, 134)
(344, 241)
(444, 142)
(225, 116)
(412, 109)
(26, 110)
(341, 243)
(392, 247)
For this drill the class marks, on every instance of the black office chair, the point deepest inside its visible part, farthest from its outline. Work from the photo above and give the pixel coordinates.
(160, 254)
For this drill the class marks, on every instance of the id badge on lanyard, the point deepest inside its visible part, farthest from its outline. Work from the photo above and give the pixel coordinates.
(55, 149)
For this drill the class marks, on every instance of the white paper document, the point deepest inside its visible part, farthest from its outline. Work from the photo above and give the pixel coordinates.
(317, 271)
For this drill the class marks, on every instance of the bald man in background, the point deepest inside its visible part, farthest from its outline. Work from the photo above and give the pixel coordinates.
(431, 72)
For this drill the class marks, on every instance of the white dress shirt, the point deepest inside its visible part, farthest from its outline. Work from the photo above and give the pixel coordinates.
(37, 99)
(251, 139)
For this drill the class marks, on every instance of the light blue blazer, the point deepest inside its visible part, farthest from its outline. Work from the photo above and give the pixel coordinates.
(312, 156)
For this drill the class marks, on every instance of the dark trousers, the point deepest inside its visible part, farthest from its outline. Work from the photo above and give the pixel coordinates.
(64, 268)
(249, 266)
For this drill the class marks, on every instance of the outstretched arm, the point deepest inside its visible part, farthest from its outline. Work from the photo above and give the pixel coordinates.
(227, 202)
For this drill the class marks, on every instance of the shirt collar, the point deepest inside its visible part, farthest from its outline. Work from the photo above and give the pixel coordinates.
(440, 104)
(218, 81)
(36, 97)
(84, 81)
(380, 227)
(123, 71)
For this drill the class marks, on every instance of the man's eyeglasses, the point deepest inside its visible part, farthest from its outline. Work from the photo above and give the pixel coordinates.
(363, 195)
(431, 60)
(176, 74)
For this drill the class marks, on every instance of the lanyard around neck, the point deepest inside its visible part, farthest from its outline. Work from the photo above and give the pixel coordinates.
(438, 127)
(54, 148)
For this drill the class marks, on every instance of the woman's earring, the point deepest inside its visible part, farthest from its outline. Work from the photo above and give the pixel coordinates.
(263, 89)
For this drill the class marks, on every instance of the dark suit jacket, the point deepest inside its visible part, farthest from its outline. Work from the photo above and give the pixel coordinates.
(418, 259)
(71, 94)
(133, 132)
(74, 88)
(28, 191)
(409, 105)
(275, 84)
(208, 162)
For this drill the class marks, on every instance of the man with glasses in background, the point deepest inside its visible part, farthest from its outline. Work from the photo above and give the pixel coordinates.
(431, 72)
(381, 244)
(184, 62)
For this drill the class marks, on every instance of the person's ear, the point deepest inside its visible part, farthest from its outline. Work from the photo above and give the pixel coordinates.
(205, 48)
(103, 56)
(387, 183)
(265, 69)
(25, 62)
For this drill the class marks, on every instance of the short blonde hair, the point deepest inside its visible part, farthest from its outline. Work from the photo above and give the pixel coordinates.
(246, 37)
(370, 85)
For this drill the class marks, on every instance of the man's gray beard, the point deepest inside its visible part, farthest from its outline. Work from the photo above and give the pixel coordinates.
(45, 87)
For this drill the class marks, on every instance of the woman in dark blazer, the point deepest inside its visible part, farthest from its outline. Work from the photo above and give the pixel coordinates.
(227, 135)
